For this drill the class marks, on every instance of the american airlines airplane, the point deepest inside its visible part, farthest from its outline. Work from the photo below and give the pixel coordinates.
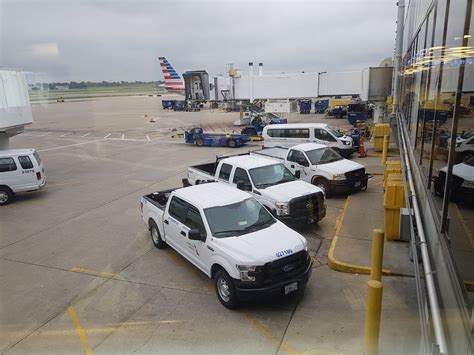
(173, 81)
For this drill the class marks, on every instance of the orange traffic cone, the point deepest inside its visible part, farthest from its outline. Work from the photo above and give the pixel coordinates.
(361, 147)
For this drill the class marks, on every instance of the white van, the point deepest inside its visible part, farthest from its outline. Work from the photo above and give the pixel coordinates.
(289, 135)
(20, 170)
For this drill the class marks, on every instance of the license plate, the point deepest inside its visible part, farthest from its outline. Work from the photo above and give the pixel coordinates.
(291, 287)
(357, 184)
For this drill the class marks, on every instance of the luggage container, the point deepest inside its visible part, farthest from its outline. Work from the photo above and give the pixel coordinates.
(305, 106)
(320, 106)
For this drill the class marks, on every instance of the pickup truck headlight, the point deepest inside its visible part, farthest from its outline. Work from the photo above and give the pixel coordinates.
(468, 184)
(283, 208)
(339, 177)
(247, 272)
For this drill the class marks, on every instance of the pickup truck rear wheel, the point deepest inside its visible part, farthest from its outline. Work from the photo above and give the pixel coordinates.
(156, 236)
(6, 195)
(225, 290)
(199, 142)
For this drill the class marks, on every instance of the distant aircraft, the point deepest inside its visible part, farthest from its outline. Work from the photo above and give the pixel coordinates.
(173, 81)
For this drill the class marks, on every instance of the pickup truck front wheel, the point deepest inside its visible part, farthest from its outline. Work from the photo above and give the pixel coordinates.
(323, 184)
(225, 290)
(156, 236)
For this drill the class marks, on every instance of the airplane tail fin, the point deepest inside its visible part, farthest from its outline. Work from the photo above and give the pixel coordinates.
(173, 81)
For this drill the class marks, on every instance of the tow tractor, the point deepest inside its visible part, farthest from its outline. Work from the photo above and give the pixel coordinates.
(198, 137)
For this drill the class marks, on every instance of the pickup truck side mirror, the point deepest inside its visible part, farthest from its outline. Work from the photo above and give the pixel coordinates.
(194, 234)
(241, 185)
(298, 174)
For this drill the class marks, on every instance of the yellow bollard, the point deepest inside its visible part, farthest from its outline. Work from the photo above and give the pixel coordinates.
(377, 255)
(385, 149)
(372, 317)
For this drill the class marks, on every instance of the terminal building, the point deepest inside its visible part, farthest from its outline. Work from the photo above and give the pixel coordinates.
(435, 125)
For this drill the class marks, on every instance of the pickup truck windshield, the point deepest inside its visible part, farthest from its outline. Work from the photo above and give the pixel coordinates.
(334, 131)
(237, 219)
(323, 156)
(270, 175)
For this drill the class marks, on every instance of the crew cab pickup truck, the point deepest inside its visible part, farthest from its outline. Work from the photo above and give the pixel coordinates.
(320, 165)
(231, 237)
(271, 183)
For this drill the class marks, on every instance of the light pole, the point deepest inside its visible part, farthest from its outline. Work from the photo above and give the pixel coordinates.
(319, 74)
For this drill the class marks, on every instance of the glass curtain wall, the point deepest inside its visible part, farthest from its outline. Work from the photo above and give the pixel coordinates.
(437, 102)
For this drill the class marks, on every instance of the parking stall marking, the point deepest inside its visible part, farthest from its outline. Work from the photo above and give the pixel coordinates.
(107, 275)
(108, 135)
(267, 333)
(79, 330)
(65, 134)
(123, 136)
(85, 135)
(148, 137)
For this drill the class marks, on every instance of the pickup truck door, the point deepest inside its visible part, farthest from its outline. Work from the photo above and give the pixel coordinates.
(173, 223)
(241, 175)
(197, 251)
(297, 160)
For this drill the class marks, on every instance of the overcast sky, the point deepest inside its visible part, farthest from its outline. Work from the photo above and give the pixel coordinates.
(121, 40)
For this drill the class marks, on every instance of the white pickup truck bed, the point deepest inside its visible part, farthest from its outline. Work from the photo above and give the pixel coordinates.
(274, 152)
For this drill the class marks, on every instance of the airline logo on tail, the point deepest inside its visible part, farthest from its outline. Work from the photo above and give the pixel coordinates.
(173, 81)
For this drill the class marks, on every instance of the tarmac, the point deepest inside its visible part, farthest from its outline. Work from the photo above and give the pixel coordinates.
(79, 273)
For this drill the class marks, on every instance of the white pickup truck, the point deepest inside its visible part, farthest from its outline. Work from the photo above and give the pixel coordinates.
(231, 237)
(321, 166)
(271, 183)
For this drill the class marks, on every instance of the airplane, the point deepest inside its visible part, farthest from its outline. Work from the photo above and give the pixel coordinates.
(174, 83)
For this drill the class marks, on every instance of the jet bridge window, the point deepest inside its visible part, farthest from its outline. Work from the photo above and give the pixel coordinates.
(224, 174)
(7, 164)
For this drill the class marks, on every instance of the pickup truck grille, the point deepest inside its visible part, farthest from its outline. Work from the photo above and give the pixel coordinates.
(285, 268)
(308, 206)
(355, 175)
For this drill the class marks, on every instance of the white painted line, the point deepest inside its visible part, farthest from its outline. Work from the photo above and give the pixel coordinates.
(85, 135)
(45, 134)
(123, 136)
(108, 135)
(65, 134)
(148, 137)
(69, 145)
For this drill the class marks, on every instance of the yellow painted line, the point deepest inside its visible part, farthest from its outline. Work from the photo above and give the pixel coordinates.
(92, 272)
(267, 333)
(466, 228)
(81, 333)
(342, 266)
(379, 155)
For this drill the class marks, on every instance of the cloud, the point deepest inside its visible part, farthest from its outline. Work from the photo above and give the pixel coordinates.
(121, 40)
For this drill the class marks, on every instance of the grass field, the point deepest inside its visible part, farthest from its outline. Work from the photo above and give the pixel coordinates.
(105, 91)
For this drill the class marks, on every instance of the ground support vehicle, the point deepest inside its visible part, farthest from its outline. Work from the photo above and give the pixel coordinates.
(198, 137)
(230, 237)
(356, 112)
(296, 133)
(295, 202)
(168, 104)
(21, 170)
(321, 166)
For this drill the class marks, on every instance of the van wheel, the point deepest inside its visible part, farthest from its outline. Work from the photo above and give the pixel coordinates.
(199, 142)
(231, 143)
(156, 236)
(6, 195)
(323, 184)
(225, 290)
